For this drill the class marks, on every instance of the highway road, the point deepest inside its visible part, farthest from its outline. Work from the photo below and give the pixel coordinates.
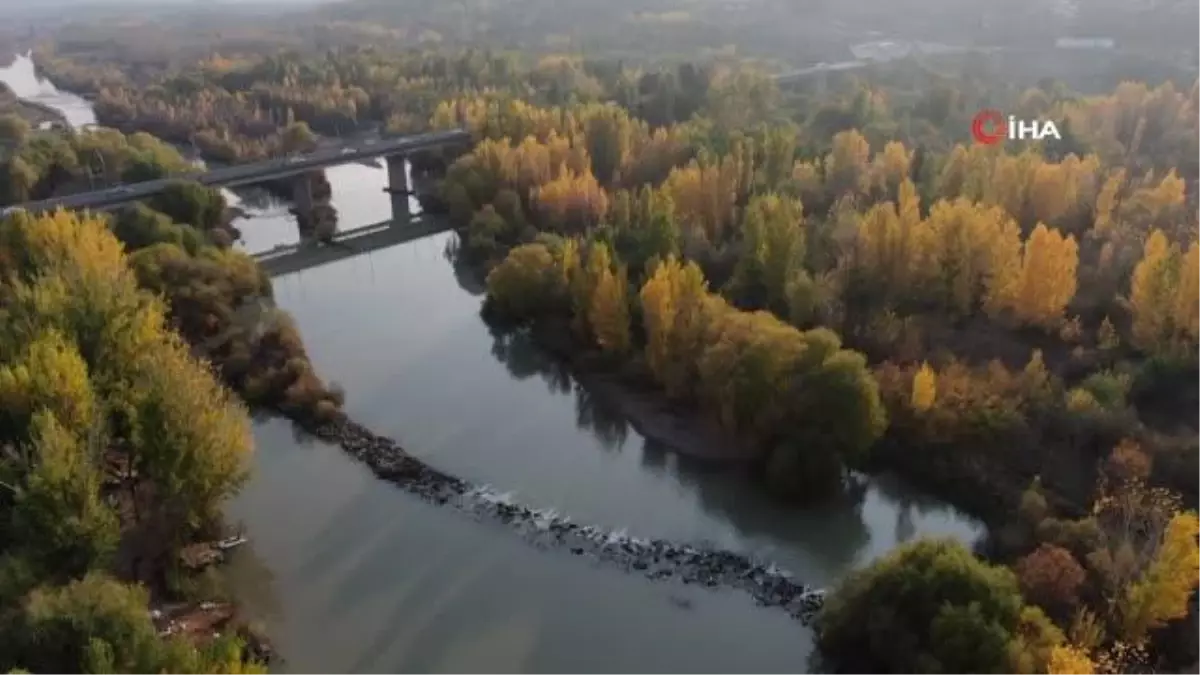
(257, 172)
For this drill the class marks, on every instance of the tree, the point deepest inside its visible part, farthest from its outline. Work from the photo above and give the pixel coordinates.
(1163, 592)
(17, 181)
(192, 439)
(924, 388)
(608, 313)
(673, 303)
(13, 128)
(967, 249)
(527, 283)
(139, 227)
(1050, 577)
(571, 203)
(58, 517)
(1152, 293)
(847, 168)
(68, 629)
(609, 136)
(1069, 660)
(1047, 278)
(298, 137)
(191, 203)
(927, 607)
(1187, 297)
(49, 377)
(99, 625)
(772, 253)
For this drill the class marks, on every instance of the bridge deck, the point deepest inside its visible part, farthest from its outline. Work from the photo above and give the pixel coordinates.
(257, 172)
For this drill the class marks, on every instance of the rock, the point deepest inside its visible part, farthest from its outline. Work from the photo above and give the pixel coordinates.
(704, 565)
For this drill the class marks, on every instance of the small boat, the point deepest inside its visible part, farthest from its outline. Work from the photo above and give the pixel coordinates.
(230, 542)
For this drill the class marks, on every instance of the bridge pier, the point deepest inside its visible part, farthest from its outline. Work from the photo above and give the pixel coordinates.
(399, 189)
(302, 195)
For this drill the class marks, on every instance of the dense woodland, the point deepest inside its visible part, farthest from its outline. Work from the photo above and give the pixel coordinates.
(838, 278)
(118, 447)
(1017, 330)
(119, 439)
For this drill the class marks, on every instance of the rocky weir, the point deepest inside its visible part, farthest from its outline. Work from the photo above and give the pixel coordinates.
(656, 559)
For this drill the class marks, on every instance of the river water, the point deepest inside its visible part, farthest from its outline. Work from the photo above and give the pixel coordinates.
(349, 574)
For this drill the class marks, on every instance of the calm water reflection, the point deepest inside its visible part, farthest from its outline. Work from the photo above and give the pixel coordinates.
(365, 578)
(349, 574)
(403, 335)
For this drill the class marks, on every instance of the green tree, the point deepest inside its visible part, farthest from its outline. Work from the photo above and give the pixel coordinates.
(191, 203)
(927, 607)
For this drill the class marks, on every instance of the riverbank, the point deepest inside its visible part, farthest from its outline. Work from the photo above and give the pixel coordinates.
(34, 113)
(682, 430)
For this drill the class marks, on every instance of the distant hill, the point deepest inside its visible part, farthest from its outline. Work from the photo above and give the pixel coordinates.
(776, 29)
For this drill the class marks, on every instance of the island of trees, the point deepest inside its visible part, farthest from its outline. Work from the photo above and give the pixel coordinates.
(841, 279)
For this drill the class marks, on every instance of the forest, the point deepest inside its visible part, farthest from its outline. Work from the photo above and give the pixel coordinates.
(841, 279)
(135, 345)
(1016, 330)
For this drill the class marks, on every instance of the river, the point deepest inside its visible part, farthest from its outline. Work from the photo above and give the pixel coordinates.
(349, 574)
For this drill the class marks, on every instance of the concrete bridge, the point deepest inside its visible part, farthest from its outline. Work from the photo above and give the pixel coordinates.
(394, 152)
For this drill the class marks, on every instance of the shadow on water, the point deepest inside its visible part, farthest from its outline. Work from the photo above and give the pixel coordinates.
(257, 576)
(467, 276)
(729, 494)
(258, 199)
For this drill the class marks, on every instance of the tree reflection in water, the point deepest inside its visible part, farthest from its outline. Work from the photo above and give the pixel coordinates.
(467, 276)
(823, 539)
(258, 199)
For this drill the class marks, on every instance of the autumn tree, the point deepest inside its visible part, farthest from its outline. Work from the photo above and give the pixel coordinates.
(609, 133)
(1151, 293)
(673, 304)
(527, 283)
(847, 166)
(1070, 660)
(1187, 295)
(608, 313)
(924, 388)
(967, 251)
(772, 253)
(298, 137)
(100, 400)
(644, 228)
(571, 204)
(705, 196)
(1045, 282)
(1051, 578)
(1164, 590)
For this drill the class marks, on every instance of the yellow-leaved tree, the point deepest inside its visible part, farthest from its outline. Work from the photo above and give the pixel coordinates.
(1187, 295)
(1164, 589)
(1151, 291)
(1069, 660)
(1047, 280)
(924, 388)
(608, 313)
(673, 308)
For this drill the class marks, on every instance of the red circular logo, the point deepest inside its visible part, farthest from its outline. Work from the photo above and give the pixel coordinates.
(989, 127)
